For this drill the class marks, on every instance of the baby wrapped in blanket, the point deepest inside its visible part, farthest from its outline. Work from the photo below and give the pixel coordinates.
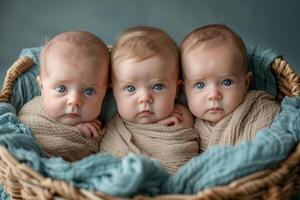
(256, 112)
(172, 145)
(216, 79)
(73, 82)
(145, 80)
(55, 138)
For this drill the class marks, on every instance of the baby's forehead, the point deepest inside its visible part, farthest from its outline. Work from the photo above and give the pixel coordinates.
(65, 46)
(167, 62)
(64, 52)
(224, 47)
(56, 59)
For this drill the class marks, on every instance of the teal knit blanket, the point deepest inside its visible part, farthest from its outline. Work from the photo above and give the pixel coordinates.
(135, 174)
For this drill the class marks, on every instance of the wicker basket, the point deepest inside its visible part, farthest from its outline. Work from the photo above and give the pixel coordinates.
(21, 182)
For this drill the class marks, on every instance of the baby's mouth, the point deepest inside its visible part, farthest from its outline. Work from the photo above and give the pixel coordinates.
(72, 115)
(145, 113)
(215, 109)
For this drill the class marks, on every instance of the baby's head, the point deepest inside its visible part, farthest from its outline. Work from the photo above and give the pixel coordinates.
(74, 76)
(145, 70)
(215, 72)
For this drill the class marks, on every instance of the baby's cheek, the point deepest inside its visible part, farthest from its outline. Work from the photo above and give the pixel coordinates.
(93, 110)
(126, 111)
(195, 107)
(163, 106)
(53, 110)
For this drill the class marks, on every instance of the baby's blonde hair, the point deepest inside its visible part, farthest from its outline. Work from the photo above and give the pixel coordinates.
(143, 42)
(77, 39)
(213, 34)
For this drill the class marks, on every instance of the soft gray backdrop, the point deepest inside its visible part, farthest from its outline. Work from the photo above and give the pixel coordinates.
(268, 23)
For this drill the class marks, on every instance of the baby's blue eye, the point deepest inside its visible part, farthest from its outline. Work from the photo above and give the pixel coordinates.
(200, 85)
(89, 91)
(130, 88)
(158, 86)
(60, 89)
(227, 82)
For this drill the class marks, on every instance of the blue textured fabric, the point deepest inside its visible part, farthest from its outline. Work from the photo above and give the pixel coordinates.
(222, 164)
(289, 118)
(26, 87)
(14, 134)
(3, 194)
(101, 172)
(260, 60)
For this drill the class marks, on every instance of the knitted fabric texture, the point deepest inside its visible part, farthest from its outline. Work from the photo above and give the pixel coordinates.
(256, 112)
(56, 139)
(172, 145)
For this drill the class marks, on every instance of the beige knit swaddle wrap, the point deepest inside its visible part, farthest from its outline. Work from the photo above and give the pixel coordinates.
(256, 112)
(172, 145)
(54, 138)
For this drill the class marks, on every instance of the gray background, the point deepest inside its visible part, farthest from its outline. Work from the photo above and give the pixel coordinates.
(267, 23)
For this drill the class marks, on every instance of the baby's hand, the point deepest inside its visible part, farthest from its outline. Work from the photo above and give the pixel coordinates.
(172, 120)
(180, 115)
(186, 115)
(90, 129)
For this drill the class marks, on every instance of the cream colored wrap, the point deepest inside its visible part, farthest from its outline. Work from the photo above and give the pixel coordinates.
(172, 145)
(55, 138)
(256, 112)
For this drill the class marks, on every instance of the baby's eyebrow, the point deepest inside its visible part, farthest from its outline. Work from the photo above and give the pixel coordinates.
(128, 81)
(196, 78)
(158, 79)
(61, 81)
(230, 74)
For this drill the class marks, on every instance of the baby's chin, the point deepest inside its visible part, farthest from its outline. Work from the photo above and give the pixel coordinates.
(143, 120)
(215, 121)
(152, 120)
(146, 122)
(70, 120)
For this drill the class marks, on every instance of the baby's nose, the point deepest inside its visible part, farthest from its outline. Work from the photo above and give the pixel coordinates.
(145, 97)
(215, 95)
(75, 100)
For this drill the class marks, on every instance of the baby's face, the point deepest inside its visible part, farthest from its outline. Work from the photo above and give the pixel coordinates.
(73, 87)
(215, 81)
(145, 90)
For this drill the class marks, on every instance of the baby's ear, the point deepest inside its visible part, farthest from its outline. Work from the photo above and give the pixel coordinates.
(248, 79)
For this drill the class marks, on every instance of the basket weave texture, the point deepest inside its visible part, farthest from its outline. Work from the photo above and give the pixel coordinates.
(21, 182)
